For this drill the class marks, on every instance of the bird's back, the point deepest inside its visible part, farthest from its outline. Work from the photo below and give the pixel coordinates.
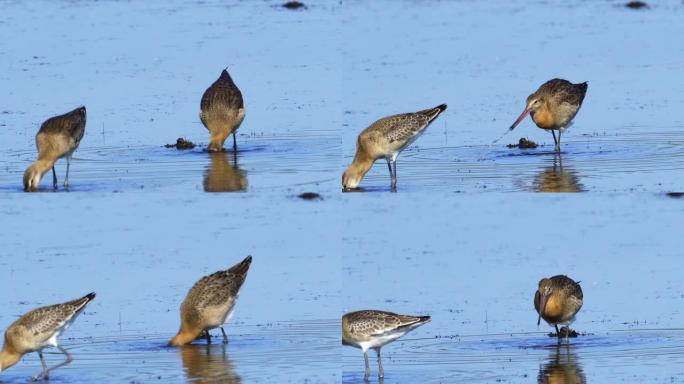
(222, 94)
(366, 324)
(396, 132)
(220, 289)
(71, 125)
(563, 91)
(36, 328)
(568, 286)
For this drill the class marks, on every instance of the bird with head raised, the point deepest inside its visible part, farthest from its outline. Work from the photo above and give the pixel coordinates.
(222, 111)
(58, 137)
(557, 301)
(210, 303)
(553, 106)
(386, 138)
(40, 329)
(372, 329)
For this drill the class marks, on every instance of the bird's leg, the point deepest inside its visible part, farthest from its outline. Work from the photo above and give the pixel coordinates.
(381, 372)
(558, 144)
(234, 142)
(367, 371)
(225, 337)
(68, 360)
(394, 174)
(558, 334)
(54, 178)
(208, 337)
(555, 142)
(44, 373)
(66, 179)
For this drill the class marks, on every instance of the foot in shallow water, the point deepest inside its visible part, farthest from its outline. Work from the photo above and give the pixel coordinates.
(564, 332)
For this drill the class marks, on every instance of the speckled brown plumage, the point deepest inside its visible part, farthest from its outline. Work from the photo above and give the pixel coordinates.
(553, 106)
(222, 111)
(557, 300)
(58, 137)
(210, 302)
(386, 138)
(372, 329)
(39, 329)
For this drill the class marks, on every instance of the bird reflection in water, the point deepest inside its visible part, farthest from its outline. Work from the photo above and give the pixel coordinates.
(222, 175)
(557, 178)
(208, 364)
(562, 367)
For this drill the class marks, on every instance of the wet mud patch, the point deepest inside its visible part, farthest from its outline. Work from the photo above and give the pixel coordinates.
(294, 5)
(523, 143)
(637, 5)
(181, 144)
(310, 196)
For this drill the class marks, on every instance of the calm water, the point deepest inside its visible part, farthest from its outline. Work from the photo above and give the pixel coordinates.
(138, 228)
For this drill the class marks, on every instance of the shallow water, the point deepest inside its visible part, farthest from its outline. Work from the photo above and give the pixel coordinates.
(138, 228)
(473, 264)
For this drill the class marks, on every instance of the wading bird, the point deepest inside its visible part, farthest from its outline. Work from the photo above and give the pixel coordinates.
(222, 111)
(58, 137)
(386, 138)
(372, 329)
(210, 303)
(553, 106)
(38, 330)
(557, 301)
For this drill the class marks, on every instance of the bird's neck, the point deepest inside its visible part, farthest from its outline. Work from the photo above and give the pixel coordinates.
(543, 117)
(361, 165)
(43, 165)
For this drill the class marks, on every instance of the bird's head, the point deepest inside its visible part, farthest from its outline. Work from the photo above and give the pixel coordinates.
(534, 102)
(351, 179)
(545, 289)
(32, 178)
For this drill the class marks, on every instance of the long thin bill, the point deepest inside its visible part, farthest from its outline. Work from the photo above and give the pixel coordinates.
(522, 116)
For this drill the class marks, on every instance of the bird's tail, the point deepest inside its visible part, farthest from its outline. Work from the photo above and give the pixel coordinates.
(83, 301)
(242, 267)
(436, 111)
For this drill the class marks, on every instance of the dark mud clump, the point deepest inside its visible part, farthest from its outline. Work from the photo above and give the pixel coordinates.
(294, 5)
(181, 144)
(523, 143)
(636, 5)
(564, 332)
(310, 196)
(675, 195)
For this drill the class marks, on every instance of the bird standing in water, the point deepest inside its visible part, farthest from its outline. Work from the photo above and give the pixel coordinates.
(38, 330)
(386, 138)
(222, 111)
(557, 301)
(553, 106)
(58, 137)
(210, 303)
(372, 329)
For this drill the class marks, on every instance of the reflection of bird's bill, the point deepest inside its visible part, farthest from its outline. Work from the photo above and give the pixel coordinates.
(520, 118)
